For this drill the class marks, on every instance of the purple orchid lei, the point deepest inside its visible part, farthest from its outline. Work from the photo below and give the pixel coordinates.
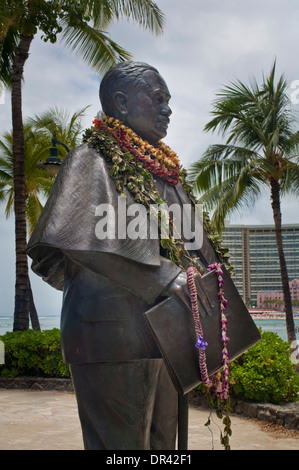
(218, 383)
(224, 390)
(201, 344)
(221, 385)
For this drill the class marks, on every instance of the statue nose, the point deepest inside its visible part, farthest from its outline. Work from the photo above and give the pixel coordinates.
(166, 110)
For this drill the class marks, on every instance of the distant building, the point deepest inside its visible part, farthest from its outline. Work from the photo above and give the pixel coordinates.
(294, 288)
(254, 257)
(274, 300)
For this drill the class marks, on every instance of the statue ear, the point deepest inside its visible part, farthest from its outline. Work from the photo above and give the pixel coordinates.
(121, 103)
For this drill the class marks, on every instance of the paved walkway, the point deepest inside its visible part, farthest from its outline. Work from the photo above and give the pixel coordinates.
(48, 420)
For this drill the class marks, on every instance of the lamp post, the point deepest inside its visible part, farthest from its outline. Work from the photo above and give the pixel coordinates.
(53, 162)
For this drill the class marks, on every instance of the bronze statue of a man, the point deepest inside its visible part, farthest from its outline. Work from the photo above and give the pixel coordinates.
(125, 397)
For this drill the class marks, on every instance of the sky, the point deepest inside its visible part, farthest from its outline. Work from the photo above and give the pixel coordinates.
(204, 46)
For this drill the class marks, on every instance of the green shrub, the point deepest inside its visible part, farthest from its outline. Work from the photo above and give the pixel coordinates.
(265, 372)
(33, 353)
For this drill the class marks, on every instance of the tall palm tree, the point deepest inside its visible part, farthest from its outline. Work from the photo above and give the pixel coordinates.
(81, 25)
(261, 150)
(38, 183)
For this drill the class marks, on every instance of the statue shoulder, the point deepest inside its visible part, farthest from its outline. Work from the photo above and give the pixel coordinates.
(84, 151)
(85, 156)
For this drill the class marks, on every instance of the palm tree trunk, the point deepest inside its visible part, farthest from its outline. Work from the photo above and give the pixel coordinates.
(32, 310)
(275, 197)
(21, 313)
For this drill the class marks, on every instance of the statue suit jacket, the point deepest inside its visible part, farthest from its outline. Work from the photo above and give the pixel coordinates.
(107, 284)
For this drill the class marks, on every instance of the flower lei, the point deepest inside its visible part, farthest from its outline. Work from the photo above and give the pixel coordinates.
(133, 173)
(160, 160)
(220, 380)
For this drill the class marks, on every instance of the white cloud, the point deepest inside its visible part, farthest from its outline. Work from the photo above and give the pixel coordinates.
(239, 37)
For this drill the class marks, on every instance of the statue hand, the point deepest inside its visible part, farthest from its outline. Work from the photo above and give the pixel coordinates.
(179, 289)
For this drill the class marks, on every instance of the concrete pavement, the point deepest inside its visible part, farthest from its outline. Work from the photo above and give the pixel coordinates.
(48, 420)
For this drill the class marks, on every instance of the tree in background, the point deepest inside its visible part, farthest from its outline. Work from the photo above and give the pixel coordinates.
(261, 150)
(273, 302)
(38, 183)
(81, 25)
(38, 131)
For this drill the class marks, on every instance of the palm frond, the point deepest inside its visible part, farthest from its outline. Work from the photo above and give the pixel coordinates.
(37, 139)
(289, 182)
(68, 128)
(145, 13)
(252, 116)
(9, 39)
(93, 46)
(231, 196)
(261, 146)
(33, 211)
(219, 163)
(9, 198)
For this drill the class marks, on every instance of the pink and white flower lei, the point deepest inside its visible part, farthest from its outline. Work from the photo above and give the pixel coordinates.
(221, 385)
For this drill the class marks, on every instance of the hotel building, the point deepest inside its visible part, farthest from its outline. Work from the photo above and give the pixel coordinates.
(254, 257)
(274, 300)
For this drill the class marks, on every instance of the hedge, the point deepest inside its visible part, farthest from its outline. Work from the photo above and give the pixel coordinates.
(33, 353)
(264, 373)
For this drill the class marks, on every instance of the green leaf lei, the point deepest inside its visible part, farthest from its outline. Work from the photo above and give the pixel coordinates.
(130, 174)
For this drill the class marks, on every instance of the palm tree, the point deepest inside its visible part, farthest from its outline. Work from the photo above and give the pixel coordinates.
(81, 25)
(68, 128)
(261, 150)
(38, 183)
(38, 132)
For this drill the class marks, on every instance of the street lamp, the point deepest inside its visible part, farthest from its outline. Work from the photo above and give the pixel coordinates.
(53, 162)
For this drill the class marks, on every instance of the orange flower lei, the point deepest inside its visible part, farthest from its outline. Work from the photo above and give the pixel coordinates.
(160, 160)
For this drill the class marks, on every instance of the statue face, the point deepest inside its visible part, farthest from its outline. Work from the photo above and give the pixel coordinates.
(148, 110)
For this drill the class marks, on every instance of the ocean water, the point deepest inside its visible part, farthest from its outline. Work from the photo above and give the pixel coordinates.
(48, 322)
(277, 325)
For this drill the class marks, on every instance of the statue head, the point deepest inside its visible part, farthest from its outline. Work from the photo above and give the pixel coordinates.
(136, 94)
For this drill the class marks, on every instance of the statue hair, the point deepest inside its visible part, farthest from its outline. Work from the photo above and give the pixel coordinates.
(124, 77)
